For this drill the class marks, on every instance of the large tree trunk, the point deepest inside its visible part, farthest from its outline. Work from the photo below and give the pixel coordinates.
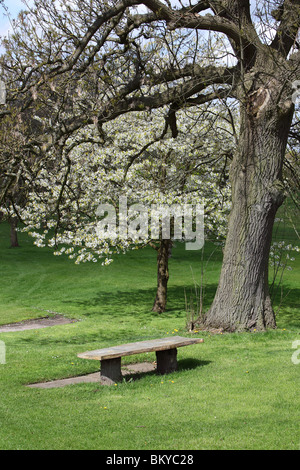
(163, 254)
(242, 300)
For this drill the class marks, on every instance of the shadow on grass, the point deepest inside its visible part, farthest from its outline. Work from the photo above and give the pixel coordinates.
(286, 305)
(127, 308)
(191, 363)
(140, 301)
(183, 365)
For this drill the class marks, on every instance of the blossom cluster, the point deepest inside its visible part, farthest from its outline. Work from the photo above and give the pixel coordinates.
(134, 161)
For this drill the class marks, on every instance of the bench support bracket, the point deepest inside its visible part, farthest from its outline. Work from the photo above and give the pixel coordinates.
(166, 361)
(111, 368)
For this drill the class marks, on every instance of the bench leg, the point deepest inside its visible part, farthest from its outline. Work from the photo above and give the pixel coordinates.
(111, 368)
(166, 361)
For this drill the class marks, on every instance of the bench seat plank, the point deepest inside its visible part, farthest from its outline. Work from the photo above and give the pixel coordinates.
(139, 347)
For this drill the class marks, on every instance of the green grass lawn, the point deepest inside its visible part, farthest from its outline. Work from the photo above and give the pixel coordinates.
(235, 391)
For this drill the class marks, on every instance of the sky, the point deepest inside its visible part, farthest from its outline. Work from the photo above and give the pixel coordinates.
(14, 7)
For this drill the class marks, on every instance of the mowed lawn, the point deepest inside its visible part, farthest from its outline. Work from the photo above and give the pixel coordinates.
(234, 391)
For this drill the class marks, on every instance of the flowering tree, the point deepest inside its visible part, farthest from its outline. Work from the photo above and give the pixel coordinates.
(162, 50)
(146, 167)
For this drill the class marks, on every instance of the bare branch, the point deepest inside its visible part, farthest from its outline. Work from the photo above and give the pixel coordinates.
(289, 26)
(188, 18)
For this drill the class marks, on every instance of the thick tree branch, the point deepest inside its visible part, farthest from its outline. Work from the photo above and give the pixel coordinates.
(208, 74)
(187, 18)
(288, 28)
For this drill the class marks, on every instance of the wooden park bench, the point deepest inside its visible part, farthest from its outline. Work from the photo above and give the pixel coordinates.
(165, 348)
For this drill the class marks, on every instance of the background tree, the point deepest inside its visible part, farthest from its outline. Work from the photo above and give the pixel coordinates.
(65, 198)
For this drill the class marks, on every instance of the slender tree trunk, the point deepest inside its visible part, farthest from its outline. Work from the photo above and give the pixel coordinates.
(14, 243)
(162, 276)
(242, 300)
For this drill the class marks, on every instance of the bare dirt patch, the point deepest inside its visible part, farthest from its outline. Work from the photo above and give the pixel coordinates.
(133, 370)
(36, 323)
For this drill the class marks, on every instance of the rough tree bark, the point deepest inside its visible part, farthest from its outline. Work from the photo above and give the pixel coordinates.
(242, 300)
(14, 242)
(163, 253)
